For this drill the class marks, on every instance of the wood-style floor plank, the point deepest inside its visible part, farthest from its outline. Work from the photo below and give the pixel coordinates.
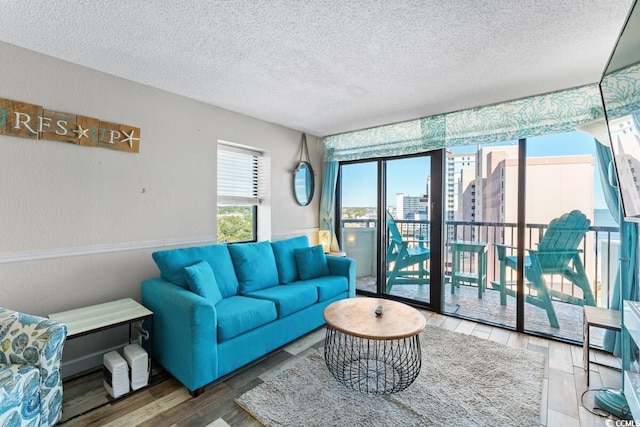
(450, 323)
(436, 319)
(190, 406)
(167, 403)
(562, 393)
(466, 327)
(163, 404)
(500, 335)
(558, 419)
(217, 409)
(544, 402)
(560, 357)
(517, 340)
(481, 334)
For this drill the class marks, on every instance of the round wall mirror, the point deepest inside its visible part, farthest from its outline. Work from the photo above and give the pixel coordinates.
(303, 183)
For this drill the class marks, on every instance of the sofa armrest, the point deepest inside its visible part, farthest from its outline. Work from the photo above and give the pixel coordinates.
(184, 334)
(343, 266)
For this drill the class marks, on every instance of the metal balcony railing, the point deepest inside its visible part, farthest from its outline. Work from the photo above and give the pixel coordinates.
(599, 248)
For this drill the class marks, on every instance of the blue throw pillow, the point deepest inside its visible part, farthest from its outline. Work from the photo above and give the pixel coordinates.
(202, 281)
(173, 261)
(285, 259)
(255, 266)
(311, 262)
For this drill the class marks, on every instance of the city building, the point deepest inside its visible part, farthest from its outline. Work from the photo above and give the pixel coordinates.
(455, 163)
(411, 207)
(555, 185)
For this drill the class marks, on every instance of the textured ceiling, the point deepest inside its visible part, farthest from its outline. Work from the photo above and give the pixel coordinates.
(326, 67)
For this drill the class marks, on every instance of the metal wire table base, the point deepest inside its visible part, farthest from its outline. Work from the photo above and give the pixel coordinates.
(372, 366)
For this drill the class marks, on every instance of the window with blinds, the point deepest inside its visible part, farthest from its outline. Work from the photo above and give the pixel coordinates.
(240, 186)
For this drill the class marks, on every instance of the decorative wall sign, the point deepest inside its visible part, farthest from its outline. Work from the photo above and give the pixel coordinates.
(34, 122)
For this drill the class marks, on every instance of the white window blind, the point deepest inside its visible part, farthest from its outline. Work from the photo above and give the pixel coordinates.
(240, 178)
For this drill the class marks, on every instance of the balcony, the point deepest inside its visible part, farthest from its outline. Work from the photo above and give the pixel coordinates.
(599, 254)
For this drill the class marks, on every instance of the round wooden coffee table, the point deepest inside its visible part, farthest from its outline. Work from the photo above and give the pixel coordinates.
(372, 345)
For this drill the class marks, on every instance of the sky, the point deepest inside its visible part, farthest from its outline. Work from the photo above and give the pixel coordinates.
(409, 175)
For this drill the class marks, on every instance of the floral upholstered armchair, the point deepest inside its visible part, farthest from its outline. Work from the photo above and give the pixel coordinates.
(30, 382)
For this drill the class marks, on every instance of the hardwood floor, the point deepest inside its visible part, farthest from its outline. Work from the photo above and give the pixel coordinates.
(167, 403)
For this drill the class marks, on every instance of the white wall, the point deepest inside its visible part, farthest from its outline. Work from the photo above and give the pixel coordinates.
(78, 224)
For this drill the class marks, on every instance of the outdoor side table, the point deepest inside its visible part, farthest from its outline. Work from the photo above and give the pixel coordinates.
(372, 345)
(479, 249)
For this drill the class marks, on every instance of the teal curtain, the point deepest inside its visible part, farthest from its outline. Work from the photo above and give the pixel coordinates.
(538, 115)
(625, 286)
(327, 203)
(621, 95)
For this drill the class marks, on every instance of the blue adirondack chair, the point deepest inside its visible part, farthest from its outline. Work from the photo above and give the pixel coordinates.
(557, 253)
(405, 264)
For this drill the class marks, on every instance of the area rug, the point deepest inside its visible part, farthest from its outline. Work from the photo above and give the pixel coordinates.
(464, 380)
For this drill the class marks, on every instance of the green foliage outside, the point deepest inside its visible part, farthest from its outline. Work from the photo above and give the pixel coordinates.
(235, 224)
(357, 212)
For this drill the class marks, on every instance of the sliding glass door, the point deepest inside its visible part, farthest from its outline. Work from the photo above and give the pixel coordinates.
(387, 211)
(408, 222)
(514, 233)
(571, 237)
(481, 224)
(358, 215)
(541, 197)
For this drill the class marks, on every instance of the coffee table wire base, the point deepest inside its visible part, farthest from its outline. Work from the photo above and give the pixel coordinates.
(372, 366)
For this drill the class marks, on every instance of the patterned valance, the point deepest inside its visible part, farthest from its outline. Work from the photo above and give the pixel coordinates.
(538, 115)
(621, 91)
(398, 138)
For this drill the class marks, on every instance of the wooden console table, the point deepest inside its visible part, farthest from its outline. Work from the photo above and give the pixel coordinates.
(99, 317)
(95, 318)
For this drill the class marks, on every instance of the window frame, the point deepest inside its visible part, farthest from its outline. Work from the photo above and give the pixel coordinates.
(246, 192)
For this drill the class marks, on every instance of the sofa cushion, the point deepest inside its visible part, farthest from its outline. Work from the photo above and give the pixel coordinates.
(288, 298)
(311, 262)
(238, 314)
(328, 286)
(285, 258)
(173, 261)
(202, 281)
(255, 266)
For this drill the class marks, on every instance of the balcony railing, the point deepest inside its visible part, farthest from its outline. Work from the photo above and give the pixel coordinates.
(600, 248)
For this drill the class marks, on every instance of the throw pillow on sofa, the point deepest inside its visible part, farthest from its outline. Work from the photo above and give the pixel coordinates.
(283, 251)
(255, 266)
(311, 262)
(172, 262)
(202, 281)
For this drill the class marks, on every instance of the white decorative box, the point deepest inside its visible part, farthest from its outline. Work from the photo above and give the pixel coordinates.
(138, 361)
(116, 374)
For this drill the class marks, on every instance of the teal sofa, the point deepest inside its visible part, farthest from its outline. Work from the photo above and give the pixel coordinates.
(217, 308)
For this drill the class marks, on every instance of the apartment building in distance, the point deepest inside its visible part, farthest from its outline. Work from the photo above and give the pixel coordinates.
(455, 164)
(489, 194)
(554, 185)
